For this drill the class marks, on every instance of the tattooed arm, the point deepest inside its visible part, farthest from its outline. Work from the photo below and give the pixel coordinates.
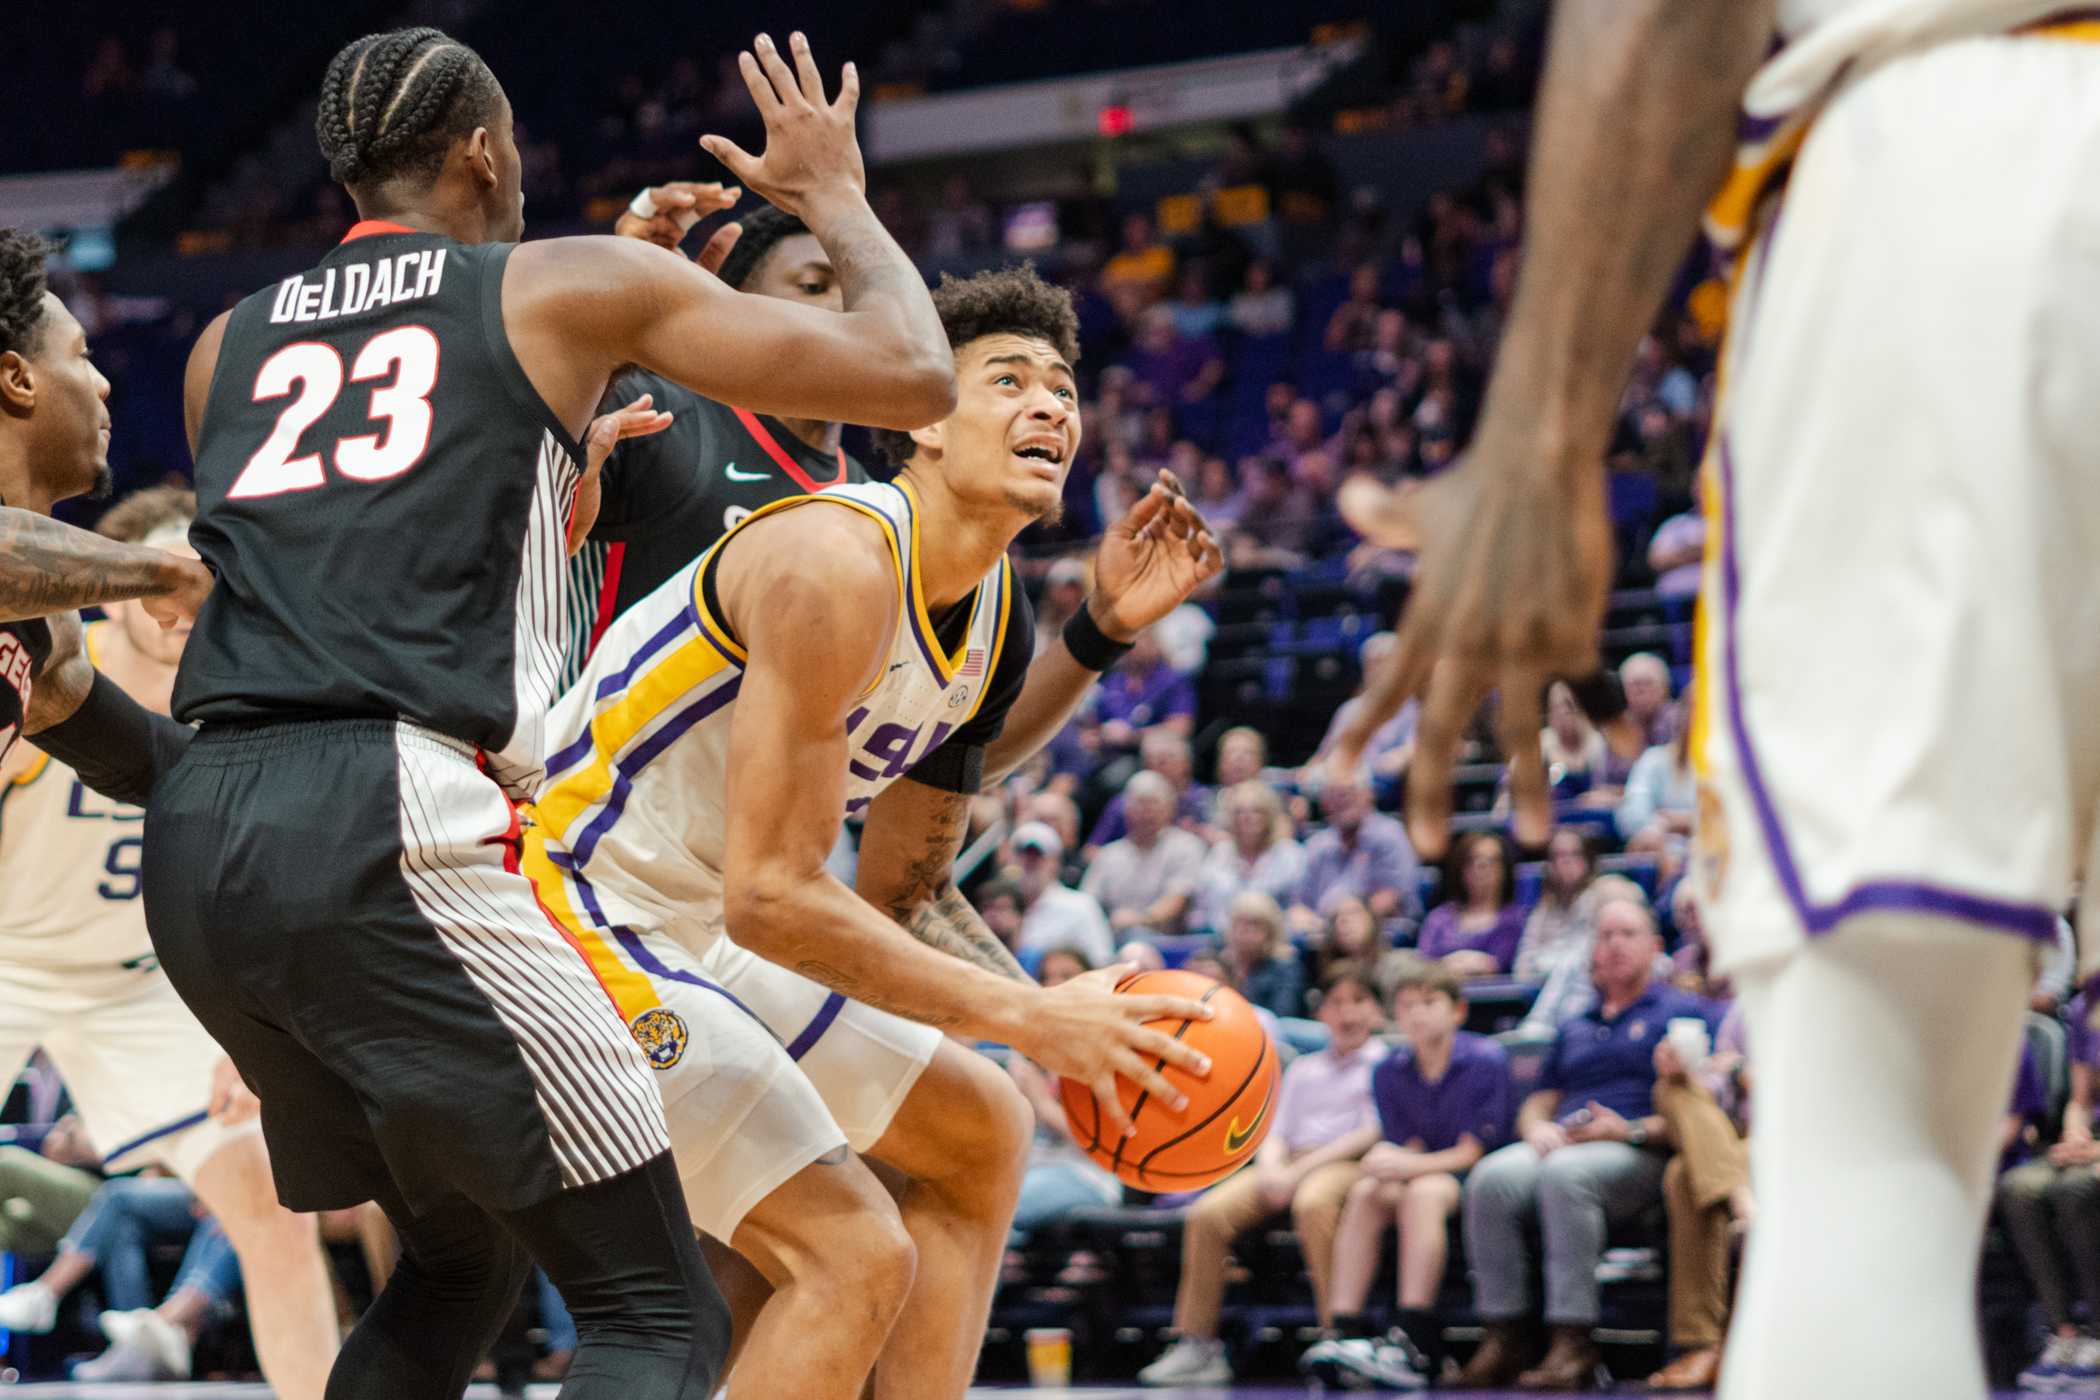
(907, 870)
(48, 566)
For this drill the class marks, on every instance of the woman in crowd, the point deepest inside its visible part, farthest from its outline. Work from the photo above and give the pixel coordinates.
(1574, 751)
(1559, 924)
(1354, 935)
(1475, 931)
(1257, 852)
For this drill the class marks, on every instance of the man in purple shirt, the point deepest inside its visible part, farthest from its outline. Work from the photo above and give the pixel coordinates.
(1592, 1151)
(1166, 753)
(1361, 852)
(1442, 1103)
(1142, 692)
(2051, 1209)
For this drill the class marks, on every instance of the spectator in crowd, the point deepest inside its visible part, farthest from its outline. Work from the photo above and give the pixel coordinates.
(1146, 957)
(1053, 914)
(1172, 369)
(1256, 852)
(1146, 879)
(1590, 1153)
(1218, 497)
(1352, 935)
(1558, 926)
(1064, 593)
(1196, 313)
(126, 1218)
(1306, 1165)
(1571, 987)
(1675, 554)
(1574, 751)
(1442, 1104)
(998, 903)
(1662, 799)
(1242, 755)
(1690, 964)
(1706, 1192)
(1061, 965)
(1360, 852)
(1141, 269)
(1166, 753)
(2051, 1209)
(1262, 306)
(1645, 677)
(1392, 746)
(2059, 965)
(1603, 701)
(1259, 962)
(46, 1190)
(1142, 692)
(1354, 324)
(1056, 809)
(1475, 932)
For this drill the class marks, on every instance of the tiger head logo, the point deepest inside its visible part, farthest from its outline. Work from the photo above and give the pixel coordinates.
(662, 1035)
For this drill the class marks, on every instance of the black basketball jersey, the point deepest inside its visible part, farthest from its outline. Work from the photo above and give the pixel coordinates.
(384, 498)
(24, 647)
(666, 498)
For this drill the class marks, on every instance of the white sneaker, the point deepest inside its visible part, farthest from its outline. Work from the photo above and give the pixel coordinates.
(1393, 1364)
(1190, 1361)
(2048, 1371)
(2079, 1373)
(29, 1307)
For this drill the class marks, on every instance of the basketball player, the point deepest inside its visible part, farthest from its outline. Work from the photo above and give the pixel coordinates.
(55, 445)
(670, 496)
(851, 651)
(1898, 751)
(386, 456)
(80, 980)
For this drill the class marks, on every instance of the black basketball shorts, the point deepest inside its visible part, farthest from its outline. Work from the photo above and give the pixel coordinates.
(338, 901)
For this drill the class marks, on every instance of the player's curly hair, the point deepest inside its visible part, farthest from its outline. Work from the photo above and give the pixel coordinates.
(22, 288)
(142, 512)
(764, 229)
(1004, 301)
(392, 104)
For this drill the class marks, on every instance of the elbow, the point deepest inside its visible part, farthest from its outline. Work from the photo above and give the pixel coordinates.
(763, 909)
(927, 387)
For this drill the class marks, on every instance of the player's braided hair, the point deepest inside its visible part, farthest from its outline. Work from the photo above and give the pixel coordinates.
(1005, 301)
(763, 231)
(392, 104)
(21, 290)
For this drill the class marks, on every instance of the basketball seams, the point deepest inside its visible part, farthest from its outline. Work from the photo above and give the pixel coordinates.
(1144, 1095)
(1228, 1102)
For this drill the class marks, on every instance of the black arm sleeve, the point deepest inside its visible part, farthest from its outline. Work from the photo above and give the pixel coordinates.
(117, 746)
(958, 764)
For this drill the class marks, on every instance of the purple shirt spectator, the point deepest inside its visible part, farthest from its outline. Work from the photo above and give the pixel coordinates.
(1143, 700)
(1472, 1097)
(2030, 1101)
(1612, 1059)
(1325, 1096)
(2082, 1042)
(1377, 858)
(1192, 809)
(1441, 934)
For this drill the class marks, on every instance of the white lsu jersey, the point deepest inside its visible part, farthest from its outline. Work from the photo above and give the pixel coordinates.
(1825, 39)
(631, 821)
(69, 863)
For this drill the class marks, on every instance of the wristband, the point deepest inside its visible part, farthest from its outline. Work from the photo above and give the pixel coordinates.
(1090, 646)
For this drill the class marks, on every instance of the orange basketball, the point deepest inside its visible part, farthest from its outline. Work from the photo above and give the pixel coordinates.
(1228, 1112)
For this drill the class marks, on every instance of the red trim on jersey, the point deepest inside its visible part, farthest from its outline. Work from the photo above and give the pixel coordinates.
(366, 228)
(780, 457)
(609, 591)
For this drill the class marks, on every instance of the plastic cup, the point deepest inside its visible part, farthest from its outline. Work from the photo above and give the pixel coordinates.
(1688, 1037)
(1049, 1357)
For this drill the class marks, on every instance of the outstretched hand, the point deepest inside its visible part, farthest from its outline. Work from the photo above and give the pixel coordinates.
(1151, 560)
(637, 419)
(1515, 565)
(811, 149)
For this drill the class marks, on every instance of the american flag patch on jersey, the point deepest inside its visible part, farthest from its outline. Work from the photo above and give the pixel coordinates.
(973, 665)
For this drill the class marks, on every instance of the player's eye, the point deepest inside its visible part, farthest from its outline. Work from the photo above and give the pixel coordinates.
(1007, 379)
(1067, 394)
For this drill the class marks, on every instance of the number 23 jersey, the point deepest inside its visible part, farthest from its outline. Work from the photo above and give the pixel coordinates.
(631, 824)
(69, 861)
(384, 498)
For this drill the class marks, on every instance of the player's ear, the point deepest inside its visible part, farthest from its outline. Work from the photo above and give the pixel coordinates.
(17, 383)
(929, 437)
(481, 156)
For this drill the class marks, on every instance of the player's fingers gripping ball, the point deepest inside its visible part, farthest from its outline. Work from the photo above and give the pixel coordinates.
(1228, 1112)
